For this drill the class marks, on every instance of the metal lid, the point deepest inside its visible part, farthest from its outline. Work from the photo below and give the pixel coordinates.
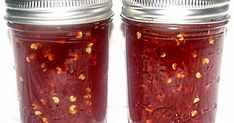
(53, 12)
(176, 11)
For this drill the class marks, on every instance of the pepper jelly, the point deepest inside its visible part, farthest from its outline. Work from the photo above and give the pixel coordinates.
(61, 56)
(174, 50)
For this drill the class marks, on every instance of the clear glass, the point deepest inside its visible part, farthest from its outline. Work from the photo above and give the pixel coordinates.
(173, 72)
(62, 72)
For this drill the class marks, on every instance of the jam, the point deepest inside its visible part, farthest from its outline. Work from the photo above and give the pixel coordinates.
(173, 72)
(62, 72)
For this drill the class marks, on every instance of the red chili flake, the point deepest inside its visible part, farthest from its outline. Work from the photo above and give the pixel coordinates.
(49, 56)
(74, 57)
(43, 65)
(59, 70)
(211, 41)
(87, 96)
(43, 101)
(180, 75)
(31, 57)
(62, 41)
(160, 97)
(149, 121)
(149, 108)
(88, 103)
(21, 79)
(35, 106)
(88, 90)
(45, 120)
(88, 34)
(194, 54)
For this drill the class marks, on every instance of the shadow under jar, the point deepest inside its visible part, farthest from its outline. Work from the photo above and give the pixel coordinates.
(173, 64)
(61, 60)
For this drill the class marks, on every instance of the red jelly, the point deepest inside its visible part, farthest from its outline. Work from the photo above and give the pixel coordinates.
(174, 50)
(173, 72)
(61, 57)
(62, 72)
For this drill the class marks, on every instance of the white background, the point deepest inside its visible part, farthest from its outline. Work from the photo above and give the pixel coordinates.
(9, 112)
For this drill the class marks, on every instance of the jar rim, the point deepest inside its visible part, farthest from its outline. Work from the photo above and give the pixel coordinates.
(172, 12)
(57, 12)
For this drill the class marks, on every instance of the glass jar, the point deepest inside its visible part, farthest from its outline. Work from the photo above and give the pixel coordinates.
(174, 51)
(61, 57)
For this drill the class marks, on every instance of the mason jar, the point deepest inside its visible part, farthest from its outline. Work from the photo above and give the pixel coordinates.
(174, 51)
(61, 58)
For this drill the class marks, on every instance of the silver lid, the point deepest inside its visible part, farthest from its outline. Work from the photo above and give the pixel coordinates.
(54, 12)
(176, 11)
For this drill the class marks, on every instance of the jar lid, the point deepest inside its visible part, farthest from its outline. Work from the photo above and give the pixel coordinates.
(176, 11)
(54, 12)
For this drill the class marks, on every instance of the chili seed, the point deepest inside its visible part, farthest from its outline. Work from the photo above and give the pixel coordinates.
(38, 113)
(174, 66)
(82, 77)
(198, 75)
(79, 35)
(196, 100)
(205, 61)
(169, 80)
(72, 109)
(35, 46)
(211, 42)
(138, 34)
(72, 98)
(163, 55)
(55, 99)
(194, 113)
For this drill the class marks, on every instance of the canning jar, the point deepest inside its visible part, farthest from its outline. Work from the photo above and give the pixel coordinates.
(61, 58)
(174, 51)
